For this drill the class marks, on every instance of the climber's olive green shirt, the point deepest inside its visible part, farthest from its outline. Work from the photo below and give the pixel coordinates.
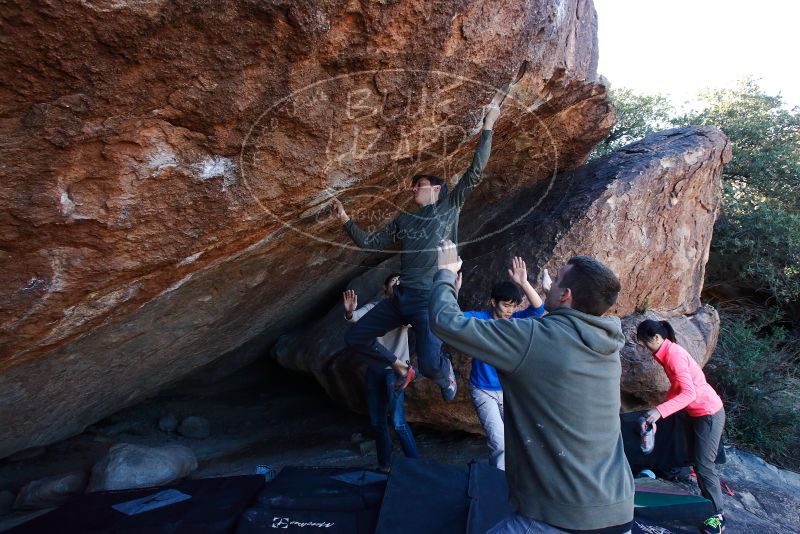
(565, 463)
(420, 233)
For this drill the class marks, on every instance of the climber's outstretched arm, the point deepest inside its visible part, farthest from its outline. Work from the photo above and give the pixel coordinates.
(379, 240)
(472, 177)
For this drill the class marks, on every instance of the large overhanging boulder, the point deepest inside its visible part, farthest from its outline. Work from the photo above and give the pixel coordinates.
(165, 166)
(647, 211)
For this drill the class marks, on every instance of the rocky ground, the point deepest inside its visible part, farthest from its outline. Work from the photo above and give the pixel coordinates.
(267, 416)
(260, 416)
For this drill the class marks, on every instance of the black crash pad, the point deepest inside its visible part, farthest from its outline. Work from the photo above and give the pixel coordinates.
(214, 508)
(317, 499)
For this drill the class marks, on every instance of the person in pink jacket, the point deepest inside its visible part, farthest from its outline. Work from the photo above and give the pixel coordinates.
(689, 391)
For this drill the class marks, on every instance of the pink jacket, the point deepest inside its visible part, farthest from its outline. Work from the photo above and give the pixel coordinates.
(688, 386)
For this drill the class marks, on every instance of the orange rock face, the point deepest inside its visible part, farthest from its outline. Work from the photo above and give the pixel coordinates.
(166, 167)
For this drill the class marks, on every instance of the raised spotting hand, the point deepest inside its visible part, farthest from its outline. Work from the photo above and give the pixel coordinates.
(546, 281)
(448, 257)
(350, 302)
(518, 271)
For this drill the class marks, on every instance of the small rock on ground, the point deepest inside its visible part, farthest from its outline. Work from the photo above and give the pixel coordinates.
(195, 427)
(168, 423)
(50, 491)
(137, 466)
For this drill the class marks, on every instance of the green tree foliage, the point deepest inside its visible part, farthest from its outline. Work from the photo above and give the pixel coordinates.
(765, 137)
(637, 116)
(756, 246)
(755, 370)
(757, 239)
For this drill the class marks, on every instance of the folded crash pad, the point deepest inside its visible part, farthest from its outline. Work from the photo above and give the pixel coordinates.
(660, 501)
(317, 499)
(429, 497)
(424, 497)
(673, 447)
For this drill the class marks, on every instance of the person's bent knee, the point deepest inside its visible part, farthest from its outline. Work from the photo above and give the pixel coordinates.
(429, 369)
(399, 423)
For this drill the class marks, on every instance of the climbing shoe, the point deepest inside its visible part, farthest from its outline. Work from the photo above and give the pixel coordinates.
(404, 381)
(714, 525)
(448, 384)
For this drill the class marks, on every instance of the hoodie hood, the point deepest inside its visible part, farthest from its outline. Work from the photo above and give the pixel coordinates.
(602, 334)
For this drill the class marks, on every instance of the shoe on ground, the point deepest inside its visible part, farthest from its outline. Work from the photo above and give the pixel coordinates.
(714, 525)
(404, 381)
(449, 385)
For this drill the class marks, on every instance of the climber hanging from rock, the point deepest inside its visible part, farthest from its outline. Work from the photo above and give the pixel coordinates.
(419, 234)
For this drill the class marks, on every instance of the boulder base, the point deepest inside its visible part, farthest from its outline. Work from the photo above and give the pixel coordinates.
(129, 466)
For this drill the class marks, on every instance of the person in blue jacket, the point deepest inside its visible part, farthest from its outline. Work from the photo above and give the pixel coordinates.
(484, 385)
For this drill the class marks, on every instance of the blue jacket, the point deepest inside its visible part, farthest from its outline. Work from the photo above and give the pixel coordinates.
(483, 375)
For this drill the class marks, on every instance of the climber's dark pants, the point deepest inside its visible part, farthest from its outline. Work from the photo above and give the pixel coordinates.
(406, 306)
(707, 431)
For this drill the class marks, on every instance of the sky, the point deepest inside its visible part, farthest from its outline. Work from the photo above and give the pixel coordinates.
(678, 47)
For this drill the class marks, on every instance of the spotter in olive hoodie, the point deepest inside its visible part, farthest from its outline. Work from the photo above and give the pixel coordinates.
(565, 463)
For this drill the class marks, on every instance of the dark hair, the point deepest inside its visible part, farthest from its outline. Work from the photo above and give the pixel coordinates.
(594, 286)
(648, 329)
(506, 291)
(434, 180)
(389, 278)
